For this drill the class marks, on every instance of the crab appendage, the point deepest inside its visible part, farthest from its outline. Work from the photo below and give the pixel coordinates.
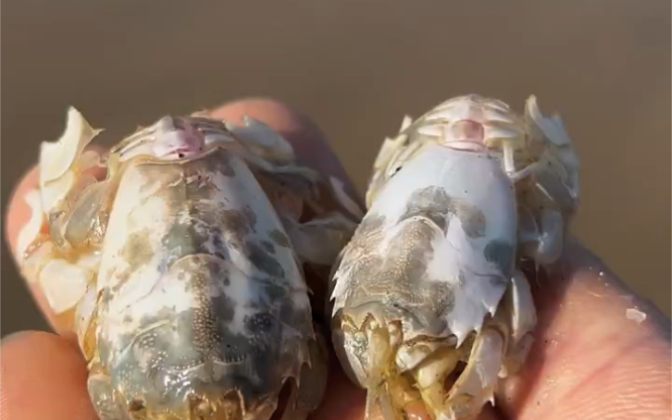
(256, 161)
(393, 398)
(332, 214)
(105, 400)
(557, 175)
(518, 312)
(519, 304)
(263, 141)
(476, 384)
(550, 163)
(492, 356)
(516, 175)
(63, 258)
(82, 224)
(496, 350)
(64, 164)
(319, 241)
(308, 393)
(542, 241)
(422, 391)
(387, 392)
(58, 246)
(431, 376)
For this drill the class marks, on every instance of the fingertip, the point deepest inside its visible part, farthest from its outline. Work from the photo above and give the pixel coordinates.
(308, 141)
(278, 115)
(589, 346)
(271, 110)
(43, 377)
(584, 281)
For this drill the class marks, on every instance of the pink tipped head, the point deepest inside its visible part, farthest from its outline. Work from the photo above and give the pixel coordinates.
(472, 122)
(466, 135)
(176, 137)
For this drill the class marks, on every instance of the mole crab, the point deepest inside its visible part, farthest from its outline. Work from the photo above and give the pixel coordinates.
(183, 269)
(428, 301)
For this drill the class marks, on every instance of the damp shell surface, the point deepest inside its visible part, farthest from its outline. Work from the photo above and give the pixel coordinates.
(428, 301)
(183, 269)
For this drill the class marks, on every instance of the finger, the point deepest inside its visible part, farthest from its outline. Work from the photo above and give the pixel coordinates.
(42, 377)
(600, 350)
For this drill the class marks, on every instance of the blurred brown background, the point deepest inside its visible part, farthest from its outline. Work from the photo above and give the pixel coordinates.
(357, 67)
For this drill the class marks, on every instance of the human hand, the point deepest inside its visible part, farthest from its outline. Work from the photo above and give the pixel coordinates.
(589, 360)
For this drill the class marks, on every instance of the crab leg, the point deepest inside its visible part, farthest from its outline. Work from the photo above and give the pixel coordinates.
(386, 392)
(263, 140)
(543, 243)
(261, 163)
(309, 392)
(105, 401)
(474, 387)
(57, 248)
(523, 313)
(431, 377)
(522, 319)
(476, 384)
(56, 259)
(510, 167)
(320, 240)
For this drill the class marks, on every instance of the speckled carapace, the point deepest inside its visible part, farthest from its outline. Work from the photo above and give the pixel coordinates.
(429, 305)
(183, 269)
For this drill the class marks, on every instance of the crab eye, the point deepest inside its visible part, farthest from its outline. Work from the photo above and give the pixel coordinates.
(394, 171)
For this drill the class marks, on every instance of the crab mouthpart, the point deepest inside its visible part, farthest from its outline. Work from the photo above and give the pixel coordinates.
(466, 134)
(176, 137)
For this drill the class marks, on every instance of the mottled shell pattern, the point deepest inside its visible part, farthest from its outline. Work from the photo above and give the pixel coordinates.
(182, 270)
(428, 302)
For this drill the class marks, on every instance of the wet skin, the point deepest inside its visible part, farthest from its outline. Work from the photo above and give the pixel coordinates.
(589, 360)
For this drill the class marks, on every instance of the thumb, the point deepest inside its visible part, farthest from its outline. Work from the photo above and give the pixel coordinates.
(601, 351)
